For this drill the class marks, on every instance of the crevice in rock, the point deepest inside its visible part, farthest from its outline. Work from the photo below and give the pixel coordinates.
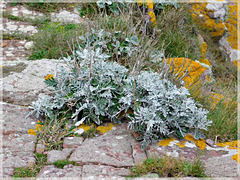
(132, 152)
(102, 164)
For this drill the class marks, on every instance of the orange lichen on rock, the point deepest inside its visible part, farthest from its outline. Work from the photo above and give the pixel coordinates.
(166, 142)
(183, 65)
(150, 5)
(201, 143)
(231, 24)
(104, 129)
(237, 63)
(236, 157)
(230, 145)
(181, 144)
(200, 15)
(153, 18)
(85, 127)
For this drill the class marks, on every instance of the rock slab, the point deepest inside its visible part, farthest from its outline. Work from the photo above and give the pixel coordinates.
(108, 149)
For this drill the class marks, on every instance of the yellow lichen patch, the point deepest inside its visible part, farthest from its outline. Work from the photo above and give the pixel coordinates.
(166, 142)
(183, 65)
(200, 15)
(236, 157)
(149, 3)
(201, 143)
(237, 63)
(205, 61)
(189, 137)
(104, 129)
(85, 127)
(221, 144)
(153, 18)
(49, 76)
(231, 24)
(233, 144)
(32, 132)
(140, 2)
(230, 145)
(181, 144)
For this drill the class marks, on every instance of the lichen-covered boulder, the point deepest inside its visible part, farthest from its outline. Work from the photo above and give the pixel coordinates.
(196, 70)
(221, 20)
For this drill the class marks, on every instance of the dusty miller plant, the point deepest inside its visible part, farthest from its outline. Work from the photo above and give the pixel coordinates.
(94, 89)
(162, 110)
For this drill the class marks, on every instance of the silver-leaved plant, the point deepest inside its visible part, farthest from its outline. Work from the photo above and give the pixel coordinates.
(94, 89)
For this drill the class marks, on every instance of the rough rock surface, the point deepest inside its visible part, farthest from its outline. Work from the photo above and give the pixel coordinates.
(107, 149)
(222, 166)
(107, 171)
(20, 27)
(72, 142)
(51, 171)
(67, 17)
(18, 146)
(56, 155)
(23, 88)
(14, 50)
(14, 120)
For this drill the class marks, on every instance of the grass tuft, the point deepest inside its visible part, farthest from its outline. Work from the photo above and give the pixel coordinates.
(31, 171)
(168, 167)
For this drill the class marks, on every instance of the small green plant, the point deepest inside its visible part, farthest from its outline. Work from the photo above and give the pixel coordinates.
(168, 167)
(62, 163)
(86, 10)
(33, 170)
(114, 7)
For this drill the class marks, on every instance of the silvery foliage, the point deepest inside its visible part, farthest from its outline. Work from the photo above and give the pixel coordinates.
(117, 43)
(95, 89)
(114, 6)
(93, 92)
(162, 109)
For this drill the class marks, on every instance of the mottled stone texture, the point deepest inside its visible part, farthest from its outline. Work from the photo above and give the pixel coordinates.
(108, 149)
(23, 87)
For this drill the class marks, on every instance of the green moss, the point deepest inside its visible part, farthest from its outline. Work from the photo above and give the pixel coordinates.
(62, 163)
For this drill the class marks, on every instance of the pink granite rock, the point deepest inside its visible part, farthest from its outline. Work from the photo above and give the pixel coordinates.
(107, 171)
(108, 149)
(72, 142)
(56, 155)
